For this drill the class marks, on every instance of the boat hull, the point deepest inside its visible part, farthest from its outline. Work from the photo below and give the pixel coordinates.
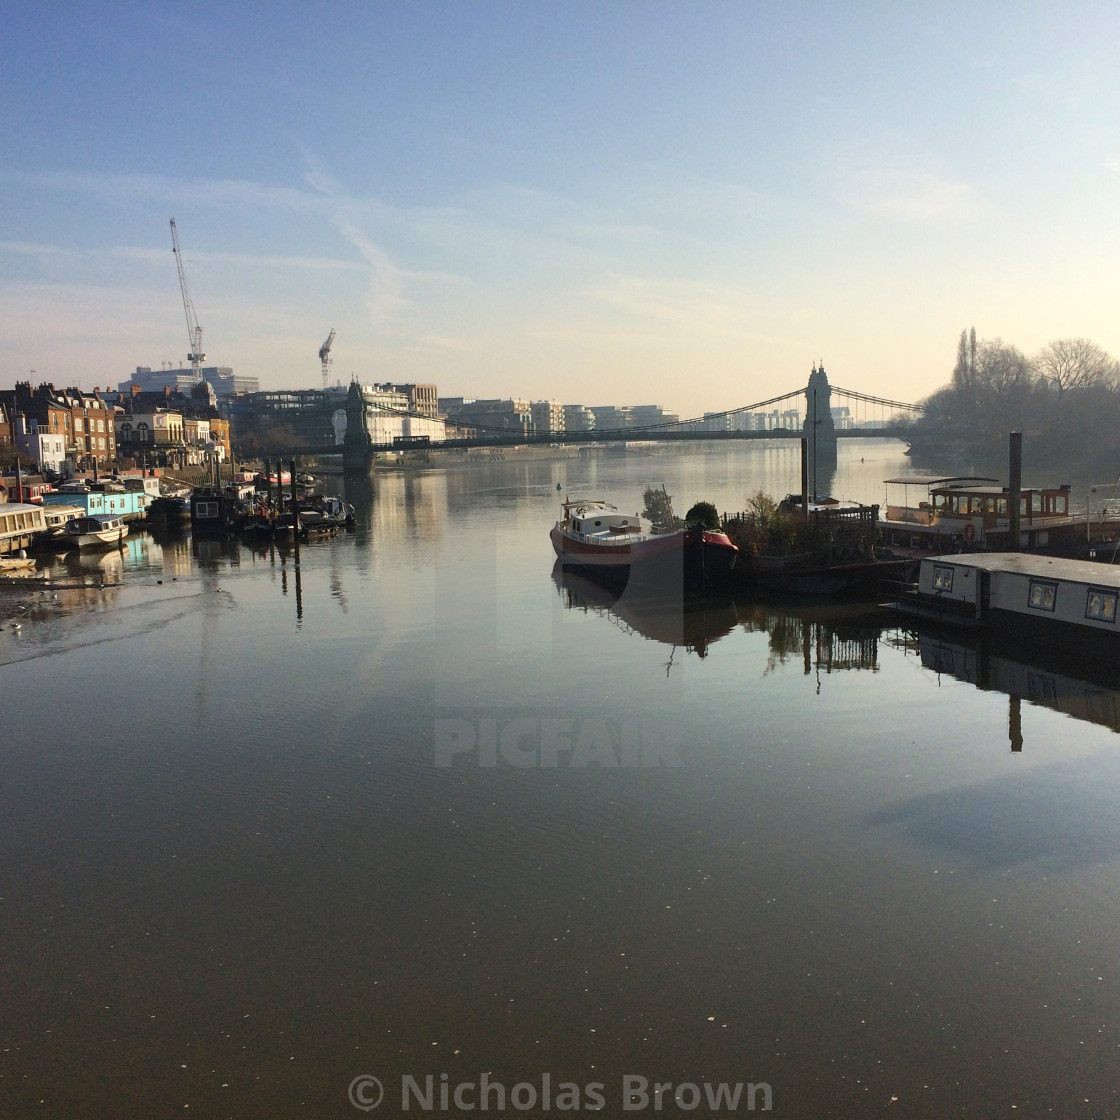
(690, 559)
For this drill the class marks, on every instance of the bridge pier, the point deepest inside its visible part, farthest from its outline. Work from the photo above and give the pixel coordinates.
(356, 447)
(820, 433)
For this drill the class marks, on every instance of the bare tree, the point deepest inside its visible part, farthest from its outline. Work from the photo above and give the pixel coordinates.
(1077, 363)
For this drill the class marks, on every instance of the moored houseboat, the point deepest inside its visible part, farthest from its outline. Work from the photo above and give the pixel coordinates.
(925, 513)
(127, 500)
(1041, 597)
(20, 523)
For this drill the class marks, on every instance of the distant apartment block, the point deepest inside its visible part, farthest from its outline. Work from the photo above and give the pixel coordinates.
(548, 416)
(577, 418)
(495, 416)
(609, 417)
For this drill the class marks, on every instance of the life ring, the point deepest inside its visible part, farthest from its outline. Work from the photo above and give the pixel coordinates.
(969, 532)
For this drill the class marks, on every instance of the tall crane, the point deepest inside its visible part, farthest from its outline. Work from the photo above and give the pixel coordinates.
(325, 357)
(194, 332)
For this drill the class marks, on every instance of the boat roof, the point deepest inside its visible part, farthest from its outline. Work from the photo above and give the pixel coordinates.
(588, 503)
(100, 518)
(939, 480)
(1035, 566)
(19, 507)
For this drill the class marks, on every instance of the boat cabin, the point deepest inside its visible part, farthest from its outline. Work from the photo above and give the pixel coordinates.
(1046, 595)
(951, 514)
(599, 522)
(19, 523)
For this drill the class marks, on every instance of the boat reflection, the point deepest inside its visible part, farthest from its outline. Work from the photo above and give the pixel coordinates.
(692, 624)
(1081, 687)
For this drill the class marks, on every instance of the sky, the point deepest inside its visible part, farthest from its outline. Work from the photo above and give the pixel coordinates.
(687, 204)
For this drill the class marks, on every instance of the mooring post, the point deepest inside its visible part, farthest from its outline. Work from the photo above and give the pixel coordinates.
(1015, 487)
(804, 476)
(295, 504)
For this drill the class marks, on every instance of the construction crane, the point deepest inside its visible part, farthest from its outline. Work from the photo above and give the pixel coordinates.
(194, 332)
(325, 357)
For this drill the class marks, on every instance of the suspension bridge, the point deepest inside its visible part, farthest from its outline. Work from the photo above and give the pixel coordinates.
(820, 413)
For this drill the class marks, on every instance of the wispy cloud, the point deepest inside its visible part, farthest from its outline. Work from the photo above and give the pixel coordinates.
(385, 298)
(71, 253)
(914, 196)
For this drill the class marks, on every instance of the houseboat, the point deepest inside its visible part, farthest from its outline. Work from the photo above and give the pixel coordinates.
(595, 537)
(217, 510)
(20, 523)
(128, 500)
(969, 513)
(1040, 597)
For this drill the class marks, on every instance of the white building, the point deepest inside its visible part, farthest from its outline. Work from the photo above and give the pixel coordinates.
(46, 449)
(387, 417)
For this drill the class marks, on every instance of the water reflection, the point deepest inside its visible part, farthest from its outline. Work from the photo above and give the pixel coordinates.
(1062, 680)
(693, 625)
(828, 638)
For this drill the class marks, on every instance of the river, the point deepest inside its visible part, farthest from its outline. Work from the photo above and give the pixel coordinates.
(416, 810)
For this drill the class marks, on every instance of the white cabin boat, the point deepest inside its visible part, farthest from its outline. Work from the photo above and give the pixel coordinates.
(93, 532)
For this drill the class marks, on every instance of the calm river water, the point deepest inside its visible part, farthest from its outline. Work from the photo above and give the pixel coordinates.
(416, 809)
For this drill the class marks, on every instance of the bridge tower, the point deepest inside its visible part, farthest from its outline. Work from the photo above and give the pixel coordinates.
(820, 433)
(356, 445)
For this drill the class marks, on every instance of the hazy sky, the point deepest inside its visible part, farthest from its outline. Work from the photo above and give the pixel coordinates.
(681, 203)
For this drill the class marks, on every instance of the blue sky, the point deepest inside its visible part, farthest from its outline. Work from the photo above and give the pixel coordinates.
(681, 203)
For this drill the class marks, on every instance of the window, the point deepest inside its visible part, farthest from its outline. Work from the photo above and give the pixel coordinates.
(1101, 605)
(1043, 595)
(206, 509)
(942, 579)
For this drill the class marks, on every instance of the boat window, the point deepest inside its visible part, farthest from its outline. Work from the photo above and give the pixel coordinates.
(598, 523)
(1101, 605)
(1043, 595)
(1036, 502)
(1060, 504)
(939, 501)
(942, 579)
(1001, 506)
